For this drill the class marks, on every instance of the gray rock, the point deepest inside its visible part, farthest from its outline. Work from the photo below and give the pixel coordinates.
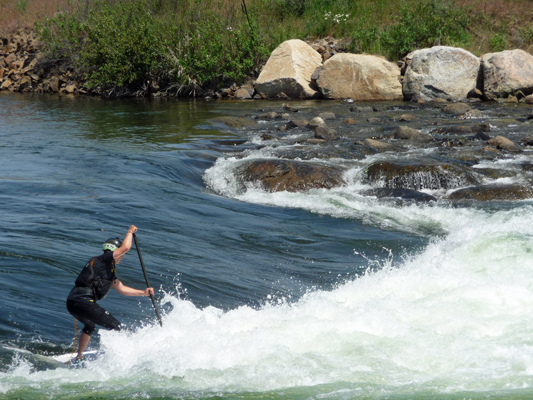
(327, 115)
(456, 108)
(441, 72)
(316, 122)
(325, 133)
(507, 72)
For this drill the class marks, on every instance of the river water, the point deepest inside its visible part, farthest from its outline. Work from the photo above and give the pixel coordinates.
(325, 294)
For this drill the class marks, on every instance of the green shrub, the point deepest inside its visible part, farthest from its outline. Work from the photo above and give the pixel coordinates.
(213, 52)
(427, 24)
(498, 42)
(290, 8)
(524, 36)
(124, 45)
(22, 5)
(62, 36)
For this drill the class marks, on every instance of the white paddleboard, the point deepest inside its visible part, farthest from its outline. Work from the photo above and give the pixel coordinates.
(87, 356)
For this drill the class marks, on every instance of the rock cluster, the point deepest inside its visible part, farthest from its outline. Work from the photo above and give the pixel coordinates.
(23, 69)
(438, 73)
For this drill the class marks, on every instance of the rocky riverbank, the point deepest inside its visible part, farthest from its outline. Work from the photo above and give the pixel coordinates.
(319, 69)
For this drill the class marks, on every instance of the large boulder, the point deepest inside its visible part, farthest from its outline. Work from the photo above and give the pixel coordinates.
(507, 72)
(291, 176)
(441, 72)
(289, 70)
(360, 77)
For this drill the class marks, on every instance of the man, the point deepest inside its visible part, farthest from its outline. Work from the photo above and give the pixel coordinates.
(94, 283)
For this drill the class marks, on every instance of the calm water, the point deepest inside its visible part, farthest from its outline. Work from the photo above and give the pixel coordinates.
(318, 295)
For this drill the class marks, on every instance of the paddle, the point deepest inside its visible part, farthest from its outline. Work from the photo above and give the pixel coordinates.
(146, 279)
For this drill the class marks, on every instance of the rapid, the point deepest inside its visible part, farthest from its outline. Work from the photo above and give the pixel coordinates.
(326, 294)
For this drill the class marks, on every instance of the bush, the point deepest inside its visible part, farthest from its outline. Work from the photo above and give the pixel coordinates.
(498, 42)
(124, 45)
(428, 24)
(217, 52)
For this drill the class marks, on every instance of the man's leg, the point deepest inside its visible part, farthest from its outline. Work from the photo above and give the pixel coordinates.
(84, 341)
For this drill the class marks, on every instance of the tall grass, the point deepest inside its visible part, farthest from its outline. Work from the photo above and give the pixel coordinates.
(189, 45)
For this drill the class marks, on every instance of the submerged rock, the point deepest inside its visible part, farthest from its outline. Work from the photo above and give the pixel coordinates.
(325, 133)
(463, 130)
(418, 175)
(407, 133)
(493, 192)
(503, 143)
(291, 176)
(379, 146)
(402, 193)
(235, 122)
(456, 108)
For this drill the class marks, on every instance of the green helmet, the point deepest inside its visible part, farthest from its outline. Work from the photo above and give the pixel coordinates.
(112, 244)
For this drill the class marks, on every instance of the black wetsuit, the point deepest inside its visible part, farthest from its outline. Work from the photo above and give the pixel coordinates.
(93, 283)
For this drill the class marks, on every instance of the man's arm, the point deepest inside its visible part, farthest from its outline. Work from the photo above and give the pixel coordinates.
(126, 244)
(128, 291)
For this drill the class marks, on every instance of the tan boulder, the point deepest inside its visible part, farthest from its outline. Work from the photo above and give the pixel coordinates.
(71, 89)
(54, 84)
(242, 94)
(9, 59)
(7, 83)
(289, 70)
(507, 72)
(25, 83)
(360, 77)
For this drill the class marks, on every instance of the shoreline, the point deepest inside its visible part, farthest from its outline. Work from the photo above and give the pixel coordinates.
(24, 68)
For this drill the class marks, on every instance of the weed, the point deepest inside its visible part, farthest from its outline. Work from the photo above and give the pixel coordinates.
(22, 5)
(428, 24)
(498, 42)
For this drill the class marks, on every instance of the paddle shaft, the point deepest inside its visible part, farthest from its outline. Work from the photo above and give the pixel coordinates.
(146, 279)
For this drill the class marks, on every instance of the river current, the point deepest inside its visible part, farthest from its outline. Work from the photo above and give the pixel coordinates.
(324, 294)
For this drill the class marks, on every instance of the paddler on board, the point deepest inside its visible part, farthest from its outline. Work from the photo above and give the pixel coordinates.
(94, 283)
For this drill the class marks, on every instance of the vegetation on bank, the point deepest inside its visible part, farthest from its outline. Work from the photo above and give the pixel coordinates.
(185, 47)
